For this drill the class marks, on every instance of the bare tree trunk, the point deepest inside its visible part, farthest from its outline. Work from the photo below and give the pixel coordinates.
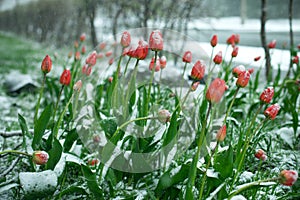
(115, 23)
(291, 35)
(264, 40)
(91, 13)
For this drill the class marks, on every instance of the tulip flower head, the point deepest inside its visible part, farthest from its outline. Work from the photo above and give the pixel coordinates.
(157, 65)
(243, 79)
(141, 51)
(214, 41)
(82, 37)
(257, 58)
(288, 177)
(40, 157)
(267, 95)
(156, 42)
(295, 60)
(125, 39)
(216, 90)
(164, 116)
(46, 65)
(221, 134)
(195, 86)
(91, 59)
(77, 86)
(236, 71)
(272, 44)
(65, 77)
(187, 57)
(163, 62)
(261, 155)
(272, 111)
(235, 51)
(198, 71)
(218, 58)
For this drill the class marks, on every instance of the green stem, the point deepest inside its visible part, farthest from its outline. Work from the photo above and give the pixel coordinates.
(193, 169)
(58, 99)
(182, 78)
(15, 152)
(127, 66)
(40, 97)
(55, 131)
(150, 84)
(211, 57)
(231, 104)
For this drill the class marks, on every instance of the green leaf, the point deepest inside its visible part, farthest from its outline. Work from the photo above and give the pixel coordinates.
(40, 126)
(278, 76)
(109, 126)
(91, 181)
(71, 137)
(256, 82)
(24, 129)
(54, 154)
(224, 162)
(295, 120)
(73, 190)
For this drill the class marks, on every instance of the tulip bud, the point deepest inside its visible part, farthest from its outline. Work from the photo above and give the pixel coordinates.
(195, 86)
(187, 57)
(251, 70)
(102, 45)
(156, 42)
(46, 65)
(231, 40)
(96, 139)
(83, 49)
(295, 60)
(77, 86)
(272, 111)
(157, 66)
(198, 71)
(76, 44)
(77, 55)
(163, 62)
(108, 54)
(218, 58)
(100, 55)
(40, 157)
(288, 177)
(111, 61)
(236, 71)
(164, 116)
(110, 79)
(243, 79)
(125, 39)
(82, 37)
(221, 134)
(235, 51)
(267, 95)
(70, 54)
(260, 154)
(88, 70)
(93, 162)
(92, 59)
(214, 41)
(141, 51)
(257, 58)
(65, 77)
(216, 90)
(272, 44)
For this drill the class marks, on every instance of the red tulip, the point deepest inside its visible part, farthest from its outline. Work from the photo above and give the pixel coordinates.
(288, 177)
(235, 51)
(40, 157)
(236, 71)
(65, 77)
(93, 162)
(272, 111)
(251, 70)
(164, 116)
(231, 40)
(92, 59)
(267, 95)
(221, 134)
(46, 64)
(77, 55)
(257, 58)
(243, 79)
(156, 42)
(187, 57)
(111, 61)
(295, 60)
(110, 79)
(141, 51)
(198, 70)
(163, 62)
(218, 58)
(100, 55)
(76, 44)
(83, 49)
(102, 45)
(125, 39)
(272, 44)
(214, 41)
(108, 54)
(82, 37)
(216, 90)
(237, 38)
(260, 154)
(157, 66)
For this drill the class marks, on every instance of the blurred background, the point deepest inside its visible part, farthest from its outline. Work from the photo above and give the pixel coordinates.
(61, 22)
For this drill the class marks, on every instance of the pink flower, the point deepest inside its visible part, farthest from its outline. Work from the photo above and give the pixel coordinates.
(243, 79)
(102, 45)
(214, 41)
(236, 71)
(235, 51)
(164, 116)
(187, 57)
(218, 58)
(141, 51)
(260, 154)
(65, 77)
(125, 39)
(288, 177)
(272, 44)
(77, 86)
(198, 70)
(108, 54)
(111, 61)
(267, 95)
(221, 134)
(163, 62)
(46, 64)
(82, 37)
(40, 157)
(272, 111)
(92, 59)
(156, 42)
(216, 90)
